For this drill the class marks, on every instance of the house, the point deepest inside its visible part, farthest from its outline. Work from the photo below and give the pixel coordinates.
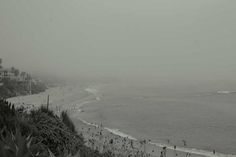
(7, 74)
(13, 74)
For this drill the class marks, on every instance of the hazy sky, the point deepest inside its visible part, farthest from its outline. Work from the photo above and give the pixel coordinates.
(162, 39)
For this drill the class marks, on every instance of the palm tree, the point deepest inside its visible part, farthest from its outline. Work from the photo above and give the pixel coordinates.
(22, 74)
(12, 69)
(16, 72)
(0, 63)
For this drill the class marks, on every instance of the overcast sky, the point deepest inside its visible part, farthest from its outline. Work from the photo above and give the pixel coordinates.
(162, 39)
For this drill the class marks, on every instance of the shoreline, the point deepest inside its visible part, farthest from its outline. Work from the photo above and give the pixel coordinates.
(192, 151)
(116, 132)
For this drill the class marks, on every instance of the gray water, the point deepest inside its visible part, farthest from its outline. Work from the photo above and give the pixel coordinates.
(202, 116)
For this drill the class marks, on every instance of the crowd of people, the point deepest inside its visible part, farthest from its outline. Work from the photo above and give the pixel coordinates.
(98, 138)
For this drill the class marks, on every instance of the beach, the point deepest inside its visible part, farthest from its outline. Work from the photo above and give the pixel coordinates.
(74, 100)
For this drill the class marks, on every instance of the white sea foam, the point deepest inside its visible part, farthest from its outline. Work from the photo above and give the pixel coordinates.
(87, 123)
(182, 149)
(93, 91)
(225, 92)
(194, 151)
(119, 133)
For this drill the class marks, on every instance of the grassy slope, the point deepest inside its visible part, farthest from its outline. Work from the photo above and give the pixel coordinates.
(39, 133)
(13, 88)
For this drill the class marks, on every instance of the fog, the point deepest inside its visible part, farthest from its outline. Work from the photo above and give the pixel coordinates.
(182, 40)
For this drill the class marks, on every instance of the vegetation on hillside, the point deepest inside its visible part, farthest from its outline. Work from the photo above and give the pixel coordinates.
(11, 88)
(40, 133)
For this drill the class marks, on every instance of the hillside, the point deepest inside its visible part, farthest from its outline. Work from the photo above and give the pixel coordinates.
(40, 133)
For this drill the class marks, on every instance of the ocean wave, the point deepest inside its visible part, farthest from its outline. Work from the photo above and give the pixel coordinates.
(181, 149)
(225, 92)
(193, 151)
(93, 91)
(88, 123)
(119, 133)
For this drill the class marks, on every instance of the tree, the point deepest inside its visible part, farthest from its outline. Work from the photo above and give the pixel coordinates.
(28, 77)
(12, 69)
(23, 74)
(0, 63)
(16, 72)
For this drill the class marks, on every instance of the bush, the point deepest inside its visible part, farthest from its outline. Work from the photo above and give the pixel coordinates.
(54, 133)
(11, 88)
(46, 128)
(67, 121)
(39, 133)
(38, 87)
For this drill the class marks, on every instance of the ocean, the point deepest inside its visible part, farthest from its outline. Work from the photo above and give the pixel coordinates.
(202, 118)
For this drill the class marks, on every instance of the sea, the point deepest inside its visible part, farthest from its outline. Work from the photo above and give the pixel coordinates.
(197, 116)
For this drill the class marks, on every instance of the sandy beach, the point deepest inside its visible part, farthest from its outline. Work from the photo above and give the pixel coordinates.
(97, 136)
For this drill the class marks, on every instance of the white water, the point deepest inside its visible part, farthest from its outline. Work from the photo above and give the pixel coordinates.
(182, 149)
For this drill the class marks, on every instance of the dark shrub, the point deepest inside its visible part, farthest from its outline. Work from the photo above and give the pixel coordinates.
(67, 121)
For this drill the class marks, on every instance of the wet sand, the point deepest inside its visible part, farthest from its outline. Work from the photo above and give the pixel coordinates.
(98, 137)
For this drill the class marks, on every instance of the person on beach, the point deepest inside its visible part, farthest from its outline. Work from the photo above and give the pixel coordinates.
(168, 141)
(184, 142)
(161, 154)
(175, 150)
(214, 151)
(176, 154)
(164, 151)
(131, 144)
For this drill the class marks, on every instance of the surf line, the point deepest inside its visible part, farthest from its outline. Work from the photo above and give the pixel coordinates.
(124, 135)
